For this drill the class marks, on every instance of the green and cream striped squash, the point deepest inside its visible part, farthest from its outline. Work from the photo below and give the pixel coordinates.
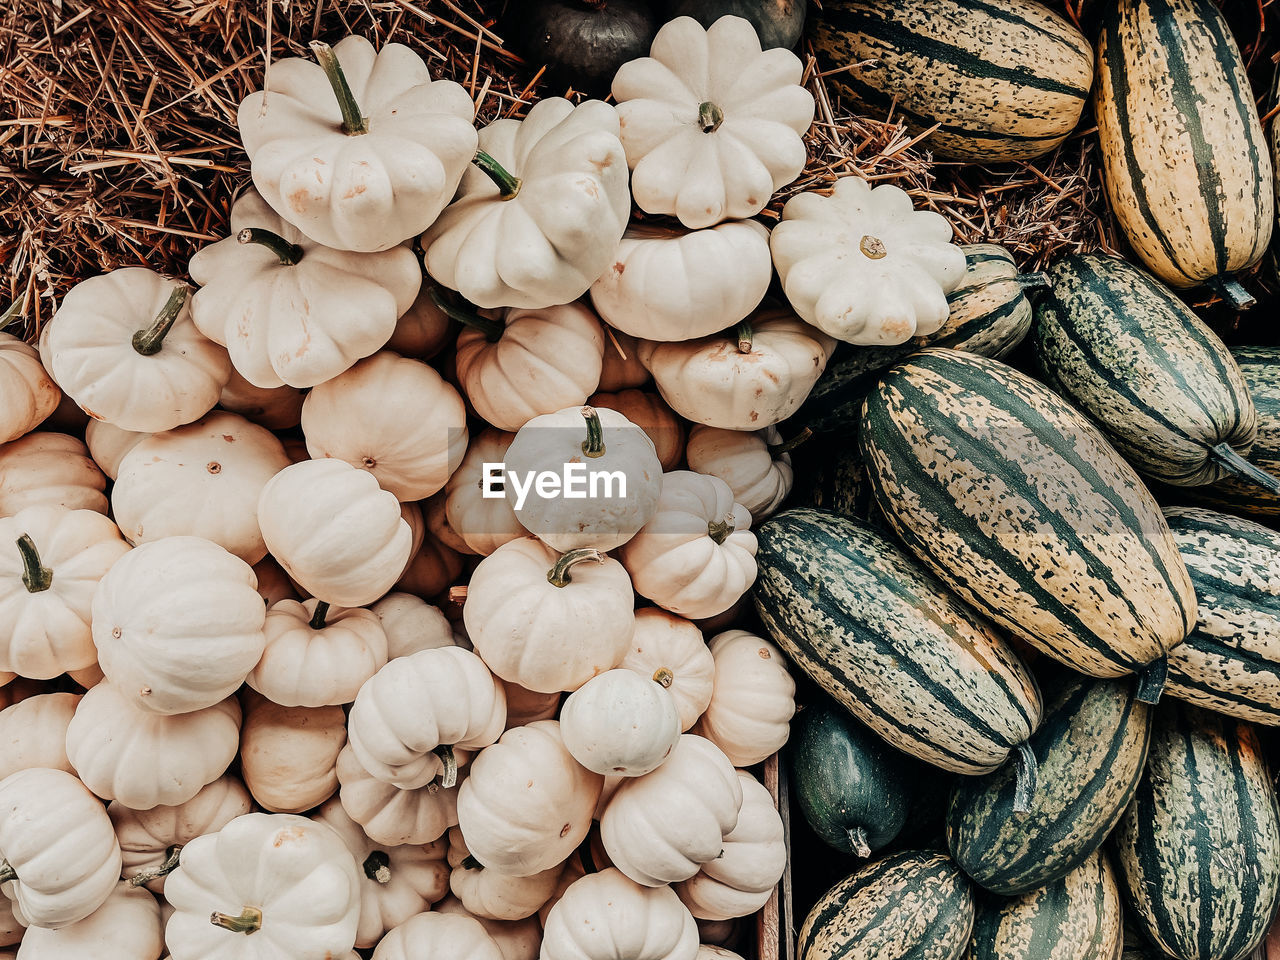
(1019, 504)
(1090, 750)
(1002, 79)
(890, 644)
(1184, 160)
(1230, 662)
(1126, 351)
(1075, 918)
(910, 906)
(1198, 849)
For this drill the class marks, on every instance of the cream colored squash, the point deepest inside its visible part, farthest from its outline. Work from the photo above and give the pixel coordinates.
(620, 723)
(411, 624)
(526, 608)
(621, 368)
(760, 481)
(413, 515)
(407, 720)
(51, 561)
(89, 677)
(276, 408)
(178, 623)
(59, 857)
(315, 655)
(526, 803)
(289, 755)
(709, 951)
(749, 716)
(393, 416)
(517, 939)
(483, 522)
(488, 894)
(27, 394)
(752, 378)
(424, 329)
(396, 883)
(202, 479)
(126, 927)
(274, 584)
(606, 916)
(660, 828)
(108, 444)
(524, 363)
(430, 571)
(283, 884)
(526, 706)
(434, 511)
(142, 758)
(611, 784)
(572, 870)
(33, 733)
(671, 650)
(49, 469)
(431, 935)
(697, 556)
(650, 413)
(672, 284)
(739, 881)
(335, 531)
(390, 815)
(123, 346)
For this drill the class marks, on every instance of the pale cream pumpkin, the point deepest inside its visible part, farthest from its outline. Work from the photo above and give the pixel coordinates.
(671, 650)
(760, 481)
(650, 413)
(619, 723)
(390, 815)
(276, 408)
(143, 759)
(431, 570)
(274, 584)
(660, 828)
(430, 935)
(89, 677)
(413, 515)
(621, 368)
(49, 469)
(393, 416)
(424, 329)
(526, 803)
(202, 479)
(434, 511)
(33, 733)
(335, 531)
(749, 716)
(709, 951)
(51, 562)
(606, 916)
(573, 870)
(739, 881)
(27, 394)
(411, 624)
(525, 706)
(315, 655)
(517, 939)
(527, 605)
(289, 755)
(108, 444)
(483, 522)
(492, 895)
(126, 927)
(697, 556)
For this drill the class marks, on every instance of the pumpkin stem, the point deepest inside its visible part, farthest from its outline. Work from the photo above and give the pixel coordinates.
(508, 184)
(1231, 291)
(377, 866)
(471, 863)
(289, 253)
(1151, 681)
(467, 316)
(353, 121)
(593, 446)
(249, 921)
(148, 342)
(35, 576)
(663, 677)
(7, 872)
(719, 530)
(318, 618)
(1227, 456)
(1025, 779)
(873, 248)
(449, 777)
(172, 855)
(11, 315)
(746, 334)
(558, 576)
(1031, 280)
(858, 842)
(710, 117)
(778, 449)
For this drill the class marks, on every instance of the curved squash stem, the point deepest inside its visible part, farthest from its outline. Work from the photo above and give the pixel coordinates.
(149, 341)
(1151, 681)
(377, 867)
(746, 334)
(778, 449)
(249, 921)
(12, 314)
(353, 121)
(593, 446)
(7, 872)
(858, 842)
(710, 116)
(289, 253)
(471, 863)
(449, 777)
(1231, 291)
(321, 614)
(467, 316)
(1227, 456)
(508, 184)
(719, 530)
(1029, 281)
(35, 576)
(1027, 774)
(663, 677)
(558, 576)
(172, 856)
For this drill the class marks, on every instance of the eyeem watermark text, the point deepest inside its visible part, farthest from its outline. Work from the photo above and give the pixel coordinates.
(573, 482)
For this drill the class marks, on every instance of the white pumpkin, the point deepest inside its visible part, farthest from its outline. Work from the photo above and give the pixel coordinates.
(335, 531)
(551, 229)
(759, 479)
(621, 724)
(526, 607)
(668, 284)
(49, 470)
(283, 884)
(390, 815)
(289, 755)
(481, 515)
(33, 733)
(393, 416)
(863, 265)
(749, 716)
(362, 150)
(437, 522)
(123, 346)
(697, 556)
(27, 394)
(606, 916)
(517, 939)
(411, 624)
(202, 479)
(431, 935)
(712, 124)
(126, 927)
(488, 894)
(276, 408)
(650, 413)
(108, 444)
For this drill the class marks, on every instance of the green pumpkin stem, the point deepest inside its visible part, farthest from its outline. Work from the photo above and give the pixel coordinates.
(249, 921)
(746, 335)
(1030, 281)
(719, 530)
(35, 576)
(507, 183)
(558, 575)
(289, 253)
(778, 449)
(1227, 456)
(7, 872)
(663, 677)
(12, 314)
(1229, 290)
(172, 855)
(377, 867)
(1025, 778)
(593, 446)
(858, 842)
(149, 341)
(468, 317)
(710, 117)
(449, 777)
(353, 121)
(319, 616)
(1151, 681)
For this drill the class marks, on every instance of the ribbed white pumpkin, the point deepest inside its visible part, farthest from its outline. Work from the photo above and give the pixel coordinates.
(390, 815)
(490, 894)
(606, 916)
(33, 733)
(760, 481)
(749, 716)
(27, 394)
(671, 650)
(621, 724)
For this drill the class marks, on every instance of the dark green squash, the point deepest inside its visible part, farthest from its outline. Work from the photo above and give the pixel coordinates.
(581, 42)
(779, 23)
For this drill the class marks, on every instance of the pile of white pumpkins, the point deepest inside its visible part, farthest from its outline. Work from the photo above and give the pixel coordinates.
(253, 602)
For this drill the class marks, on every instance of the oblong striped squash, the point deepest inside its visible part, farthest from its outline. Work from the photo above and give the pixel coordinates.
(910, 906)
(1090, 750)
(1198, 850)
(1004, 79)
(1184, 161)
(1230, 662)
(888, 642)
(1021, 506)
(1126, 351)
(1075, 918)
